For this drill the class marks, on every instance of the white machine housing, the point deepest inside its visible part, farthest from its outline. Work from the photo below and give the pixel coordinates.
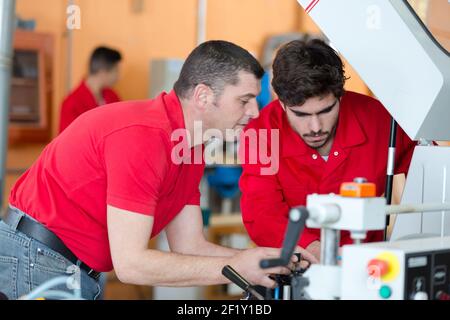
(422, 270)
(428, 182)
(355, 214)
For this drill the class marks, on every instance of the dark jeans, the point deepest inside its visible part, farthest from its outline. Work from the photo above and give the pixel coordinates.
(26, 263)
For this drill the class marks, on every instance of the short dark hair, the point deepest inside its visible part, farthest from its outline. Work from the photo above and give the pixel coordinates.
(103, 58)
(306, 69)
(215, 63)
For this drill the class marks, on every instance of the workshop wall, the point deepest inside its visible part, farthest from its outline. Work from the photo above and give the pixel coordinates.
(147, 29)
(50, 16)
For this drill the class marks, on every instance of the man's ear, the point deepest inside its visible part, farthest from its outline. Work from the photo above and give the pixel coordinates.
(201, 96)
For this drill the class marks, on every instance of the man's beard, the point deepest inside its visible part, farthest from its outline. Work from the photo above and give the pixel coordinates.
(326, 140)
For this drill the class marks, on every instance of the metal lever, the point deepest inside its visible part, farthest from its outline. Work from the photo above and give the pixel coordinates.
(237, 279)
(296, 224)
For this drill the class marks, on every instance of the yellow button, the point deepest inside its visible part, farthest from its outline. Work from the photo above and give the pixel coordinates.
(394, 266)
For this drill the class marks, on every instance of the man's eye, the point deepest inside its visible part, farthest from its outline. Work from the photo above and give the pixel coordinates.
(299, 114)
(244, 102)
(325, 111)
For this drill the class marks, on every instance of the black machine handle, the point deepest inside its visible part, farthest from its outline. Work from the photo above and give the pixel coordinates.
(296, 224)
(237, 279)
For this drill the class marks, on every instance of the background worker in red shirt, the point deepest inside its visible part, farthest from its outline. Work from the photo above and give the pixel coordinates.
(112, 180)
(95, 90)
(327, 136)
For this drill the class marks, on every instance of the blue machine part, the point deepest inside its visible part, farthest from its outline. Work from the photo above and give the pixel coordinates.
(265, 96)
(225, 180)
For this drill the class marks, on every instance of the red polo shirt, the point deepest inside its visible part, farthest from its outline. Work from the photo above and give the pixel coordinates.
(359, 150)
(80, 100)
(119, 155)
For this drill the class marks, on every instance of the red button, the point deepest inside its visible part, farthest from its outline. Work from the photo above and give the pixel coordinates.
(377, 268)
(442, 296)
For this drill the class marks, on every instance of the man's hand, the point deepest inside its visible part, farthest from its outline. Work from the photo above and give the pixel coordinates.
(307, 255)
(307, 258)
(314, 250)
(247, 262)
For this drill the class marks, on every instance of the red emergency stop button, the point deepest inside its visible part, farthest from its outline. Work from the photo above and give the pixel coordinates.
(377, 268)
(442, 296)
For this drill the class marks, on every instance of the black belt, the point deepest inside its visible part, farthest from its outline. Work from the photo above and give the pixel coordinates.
(39, 232)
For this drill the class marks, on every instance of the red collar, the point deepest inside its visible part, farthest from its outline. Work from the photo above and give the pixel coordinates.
(174, 110)
(349, 133)
(87, 92)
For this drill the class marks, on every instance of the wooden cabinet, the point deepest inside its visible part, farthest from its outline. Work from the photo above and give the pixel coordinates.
(31, 88)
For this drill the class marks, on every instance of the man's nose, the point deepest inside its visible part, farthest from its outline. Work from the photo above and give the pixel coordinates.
(252, 110)
(314, 124)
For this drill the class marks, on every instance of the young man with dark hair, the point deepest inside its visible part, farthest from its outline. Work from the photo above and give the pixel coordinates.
(109, 183)
(95, 90)
(327, 136)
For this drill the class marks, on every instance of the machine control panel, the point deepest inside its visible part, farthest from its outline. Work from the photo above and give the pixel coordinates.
(402, 270)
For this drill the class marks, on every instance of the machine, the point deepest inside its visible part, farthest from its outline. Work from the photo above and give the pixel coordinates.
(401, 270)
(417, 269)
(397, 270)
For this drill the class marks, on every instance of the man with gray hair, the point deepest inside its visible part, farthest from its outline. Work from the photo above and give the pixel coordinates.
(109, 183)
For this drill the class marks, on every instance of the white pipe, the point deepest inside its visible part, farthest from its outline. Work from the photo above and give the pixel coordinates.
(329, 246)
(7, 19)
(411, 208)
(43, 289)
(324, 213)
(201, 21)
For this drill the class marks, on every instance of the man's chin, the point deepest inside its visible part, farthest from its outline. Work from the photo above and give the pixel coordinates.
(316, 144)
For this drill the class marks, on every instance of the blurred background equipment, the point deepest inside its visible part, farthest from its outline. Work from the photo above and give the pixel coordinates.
(163, 74)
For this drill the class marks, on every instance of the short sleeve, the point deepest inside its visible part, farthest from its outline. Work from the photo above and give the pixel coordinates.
(197, 170)
(195, 199)
(136, 160)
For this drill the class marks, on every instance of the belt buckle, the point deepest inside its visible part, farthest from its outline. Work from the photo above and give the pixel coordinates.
(93, 274)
